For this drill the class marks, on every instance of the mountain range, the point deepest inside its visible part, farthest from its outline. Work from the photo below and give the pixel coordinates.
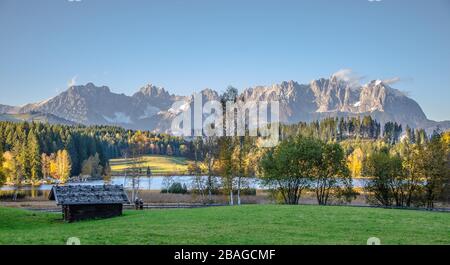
(150, 107)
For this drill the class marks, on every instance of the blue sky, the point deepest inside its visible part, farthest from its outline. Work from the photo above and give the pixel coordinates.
(186, 46)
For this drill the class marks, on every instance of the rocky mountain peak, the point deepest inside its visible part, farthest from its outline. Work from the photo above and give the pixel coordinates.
(334, 94)
(209, 94)
(152, 91)
(149, 108)
(289, 84)
(89, 88)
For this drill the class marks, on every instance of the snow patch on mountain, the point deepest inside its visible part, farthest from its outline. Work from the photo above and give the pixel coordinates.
(149, 112)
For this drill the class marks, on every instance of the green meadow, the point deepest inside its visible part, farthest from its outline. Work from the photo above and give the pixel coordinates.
(159, 164)
(250, 224)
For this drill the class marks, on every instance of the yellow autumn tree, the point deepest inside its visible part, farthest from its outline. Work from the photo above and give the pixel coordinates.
(54, 169)
(446, 139)
(355, 162)
(2, 174)
(63, 165)
(10, 168)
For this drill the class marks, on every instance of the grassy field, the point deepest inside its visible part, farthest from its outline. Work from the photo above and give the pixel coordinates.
(158, 164)
(252, 224)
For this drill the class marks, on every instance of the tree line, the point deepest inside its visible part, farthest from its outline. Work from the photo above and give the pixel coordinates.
(345, 128)
(30, 152)
(410, 173)
(405, 174)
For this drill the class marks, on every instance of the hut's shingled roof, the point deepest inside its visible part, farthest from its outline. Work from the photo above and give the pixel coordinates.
(88, 194)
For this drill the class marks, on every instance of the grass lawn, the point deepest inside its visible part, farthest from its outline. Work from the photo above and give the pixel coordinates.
(159, 164)
(252, 224)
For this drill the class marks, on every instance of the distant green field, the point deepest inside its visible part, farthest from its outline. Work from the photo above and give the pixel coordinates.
(158, 164)
(252, 224)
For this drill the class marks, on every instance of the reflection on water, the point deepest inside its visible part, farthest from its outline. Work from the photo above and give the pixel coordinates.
(21, 192)
(143, 183)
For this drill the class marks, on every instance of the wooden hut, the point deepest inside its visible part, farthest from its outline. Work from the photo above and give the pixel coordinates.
(80, 202)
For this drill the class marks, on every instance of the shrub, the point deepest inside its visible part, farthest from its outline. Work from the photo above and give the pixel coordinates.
(176, 188)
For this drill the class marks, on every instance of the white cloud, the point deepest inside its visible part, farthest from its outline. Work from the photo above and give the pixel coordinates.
(72, 82)
(349, 76)
(355, 80)
(392, 81)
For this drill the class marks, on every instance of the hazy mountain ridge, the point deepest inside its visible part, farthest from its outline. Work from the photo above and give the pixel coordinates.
(151, 107)
(6, 109)
(35, 117)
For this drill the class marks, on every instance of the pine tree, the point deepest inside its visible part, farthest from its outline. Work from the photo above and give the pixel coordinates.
(34, 157)
(71, 148)
(18, 161)
(45, 163)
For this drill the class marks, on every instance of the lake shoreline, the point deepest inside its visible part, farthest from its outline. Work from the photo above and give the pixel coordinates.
(27, 184)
